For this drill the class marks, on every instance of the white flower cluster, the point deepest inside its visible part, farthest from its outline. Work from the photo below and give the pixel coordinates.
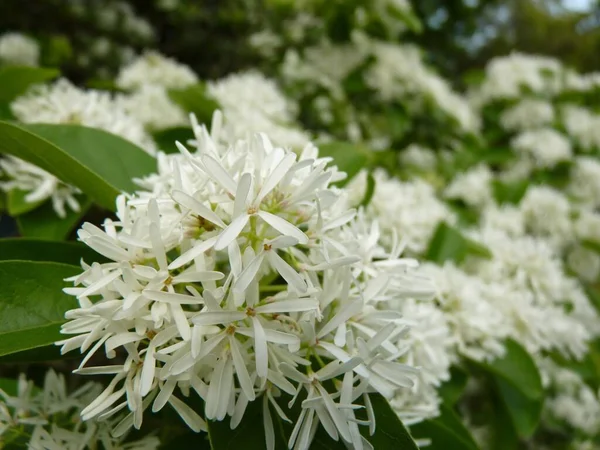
(528, 114)
(49, 418)
(18, 49)
(509, 76)
(242, 274)
(400, 72)
(154, 68)
(543, 147)
(409, 209)
(64, 103)
(253, 103)
(148, 78)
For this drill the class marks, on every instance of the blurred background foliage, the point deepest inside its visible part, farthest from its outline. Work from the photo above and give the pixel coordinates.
(90, 39)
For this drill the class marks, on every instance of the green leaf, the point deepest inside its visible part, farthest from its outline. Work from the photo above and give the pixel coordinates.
(194, 99)
(451, 390)
(16, 203)
(165, 139)
(43, 223)
(32, 303)
(10, 386)
(47, 353)
(250, 431)
(511, 193)
(390, 432)
(447, 244)
(15, 80)
(24, 249)
(591, 245)
(519, 385)
(445, 432)
(349, 158)
(369, 191)
(99, 163)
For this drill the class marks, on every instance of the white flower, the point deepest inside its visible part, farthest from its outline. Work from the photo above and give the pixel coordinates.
(154, 68)
(543, 147)
(547, 213)
(50, 419)
(18, 49)
(151, 106)
(527, 114)
(508, 76)
(583, 126)
(237, 269)
(584, 184)
(410, 209)
(252, 103)
(64, 103)
(474, 186)
(417, 156)
(399, 73)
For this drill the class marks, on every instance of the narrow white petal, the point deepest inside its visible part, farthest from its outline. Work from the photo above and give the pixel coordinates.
(218, 317)
(249, 273)
(198, 277)
(345, 313)
(158, 248)
(218, 173)
(241, 194)
(284, 306)
(240, 369)
(189, 416)
(260, 348)
(232, 231)
(287, 272)
(194, 252)
(268, 425)
(172, 297)
(283, 226)
(276, 176)
(197, 208)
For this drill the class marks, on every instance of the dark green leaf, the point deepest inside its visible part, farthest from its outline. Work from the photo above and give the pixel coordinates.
(43, 223)
(15, 80)
(47, 353)
(349, 158)
(24, 249)
(165, 139)
(390, 433)
(369, 191)
(445, 432)
(99, 163)
(591, 245)
(250, 431)
(16, 203)
(520, 387)
(195, 100)
(451, 390)
(509, 192)
(447, 244)
(32, 303)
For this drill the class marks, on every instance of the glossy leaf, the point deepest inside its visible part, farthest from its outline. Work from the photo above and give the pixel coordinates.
(445, 432)
(519, 385)
(99, 163)
(15, 80)
(194, 99)
(24, 249)
(349, 158)
(165, 139)
(43, 223)
(451, 391)
(32, 304)
(16, 203)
